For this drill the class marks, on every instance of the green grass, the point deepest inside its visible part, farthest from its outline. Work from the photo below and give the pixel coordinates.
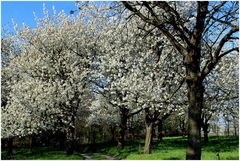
(174, 148)
(41, 153)
(171, 148)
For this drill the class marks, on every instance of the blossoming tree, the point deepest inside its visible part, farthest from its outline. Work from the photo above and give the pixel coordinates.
(187, 28)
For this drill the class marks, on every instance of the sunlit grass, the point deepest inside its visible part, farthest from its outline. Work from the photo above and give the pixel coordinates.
(171, 148)
(174, 148)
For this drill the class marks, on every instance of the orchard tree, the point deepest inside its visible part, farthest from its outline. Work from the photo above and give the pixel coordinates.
(220, 89)
(9, 51)
(158, 87)
(187, 26)
(230, 115)
(126, 71)
(102, 113)
(50, 75)
(115, 71)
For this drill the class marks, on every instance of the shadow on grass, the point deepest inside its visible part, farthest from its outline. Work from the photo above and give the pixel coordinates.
(42, 153)
(173, 158)
(221, 144)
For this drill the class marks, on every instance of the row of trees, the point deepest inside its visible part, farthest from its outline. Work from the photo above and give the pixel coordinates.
(115, 60)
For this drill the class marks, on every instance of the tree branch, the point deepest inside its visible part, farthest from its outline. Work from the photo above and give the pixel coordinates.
(157, 24)
(209, 66)
(202, 11)
(229, 51)
(215, 10)
(135, 112)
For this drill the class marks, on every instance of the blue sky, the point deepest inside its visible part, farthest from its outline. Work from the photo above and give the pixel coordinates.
(22, 11)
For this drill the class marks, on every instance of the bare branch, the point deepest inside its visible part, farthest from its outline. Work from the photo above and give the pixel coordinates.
(224, 22)
(229, 51)
(215, 10)
(224, 40)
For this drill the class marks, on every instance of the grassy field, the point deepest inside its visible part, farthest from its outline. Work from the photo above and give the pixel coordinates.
(172, 148)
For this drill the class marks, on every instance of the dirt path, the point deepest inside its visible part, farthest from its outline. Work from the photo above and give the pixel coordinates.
(87, 157)
(92, 155)
(108, 157)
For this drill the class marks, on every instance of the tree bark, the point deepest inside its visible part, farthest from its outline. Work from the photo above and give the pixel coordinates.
(195, 97)
(205, 132)
(113, 133)
(235, 130)
(228, 128)
(70, 140)
(61, 139)
(160, 129)
(195, 89)
(10, 149)
(194, 80)
(149, 131)
(148, 139)
(123, 127)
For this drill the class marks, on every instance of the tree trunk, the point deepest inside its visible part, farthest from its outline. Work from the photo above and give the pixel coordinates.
(205, 133)
(32, 141)
(113, 133)
(3, 143)
(93, 145)
(235, 126)
(123, 127)
(194, 79)
(228, 128)
(235, 130)
(89, 135)
(94, 137)
(182, 126)
(195, 98)
(61, 140)
(70, 140)
(122, 135)
(45, 139)
(160, 129)
(10, 149)
(205, 137)
(148, 139)
(149, 132)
